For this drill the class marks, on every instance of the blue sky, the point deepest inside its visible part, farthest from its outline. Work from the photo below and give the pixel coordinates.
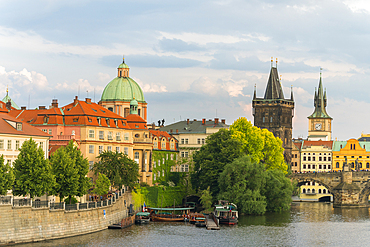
(193, 59)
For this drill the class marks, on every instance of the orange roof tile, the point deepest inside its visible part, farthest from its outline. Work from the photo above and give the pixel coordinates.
(327, 144)
(7, 128)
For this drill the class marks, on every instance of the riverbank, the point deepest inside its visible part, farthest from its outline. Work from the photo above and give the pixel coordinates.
(26, 224)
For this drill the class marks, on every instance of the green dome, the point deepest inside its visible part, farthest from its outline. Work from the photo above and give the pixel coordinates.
(122, 89)
(123, 66)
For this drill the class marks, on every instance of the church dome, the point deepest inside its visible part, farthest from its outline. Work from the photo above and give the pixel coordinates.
(123, 88)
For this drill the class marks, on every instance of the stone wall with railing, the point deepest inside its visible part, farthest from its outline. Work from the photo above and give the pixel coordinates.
(25, 220)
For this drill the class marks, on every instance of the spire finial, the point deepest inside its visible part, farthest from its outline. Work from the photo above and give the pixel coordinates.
(320, 72)
(123, 57)
(7, 90)
(276, 62)
(272, 60)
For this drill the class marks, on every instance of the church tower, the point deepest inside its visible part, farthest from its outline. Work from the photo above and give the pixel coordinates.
(274, 112)
(319, 122)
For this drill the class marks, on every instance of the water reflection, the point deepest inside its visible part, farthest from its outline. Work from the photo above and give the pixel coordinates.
(306, 224)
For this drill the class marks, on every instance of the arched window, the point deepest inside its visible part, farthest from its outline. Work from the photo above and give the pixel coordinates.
(110, 108)
(313, 191)
(324, 191)
(319, 191)
(360, 165)
(308, 190)
(367, 165)
(304, 191)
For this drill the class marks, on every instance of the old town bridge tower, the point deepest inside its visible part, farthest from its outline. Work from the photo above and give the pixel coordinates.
(275, 113)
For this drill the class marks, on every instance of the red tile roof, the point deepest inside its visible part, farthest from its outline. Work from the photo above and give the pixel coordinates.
(326, 144)
(7, 128)
(136, 122)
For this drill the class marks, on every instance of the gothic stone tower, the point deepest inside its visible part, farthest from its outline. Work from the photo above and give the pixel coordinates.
(275, 113)
(319, 122)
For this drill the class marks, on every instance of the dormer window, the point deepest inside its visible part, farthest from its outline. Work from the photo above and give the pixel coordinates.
(46, 119)
(19, 126)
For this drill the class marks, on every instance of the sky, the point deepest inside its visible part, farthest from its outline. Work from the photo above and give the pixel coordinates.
(193, 59)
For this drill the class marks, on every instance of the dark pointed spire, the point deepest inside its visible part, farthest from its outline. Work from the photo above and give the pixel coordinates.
(255, 93)
(320, 102)
(273, 89)
(291, 93)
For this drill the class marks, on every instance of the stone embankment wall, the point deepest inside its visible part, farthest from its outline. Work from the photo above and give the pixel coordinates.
(26, 224)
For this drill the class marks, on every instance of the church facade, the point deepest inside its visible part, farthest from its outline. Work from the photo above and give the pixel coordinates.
(275, 113)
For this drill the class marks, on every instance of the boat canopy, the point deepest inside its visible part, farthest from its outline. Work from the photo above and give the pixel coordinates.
(143, 214)
(171, 209)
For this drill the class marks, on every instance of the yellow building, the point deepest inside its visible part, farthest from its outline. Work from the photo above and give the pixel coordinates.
(354, 151)
(313, 191)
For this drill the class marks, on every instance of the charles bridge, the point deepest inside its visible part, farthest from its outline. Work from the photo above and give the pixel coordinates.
(349, 188)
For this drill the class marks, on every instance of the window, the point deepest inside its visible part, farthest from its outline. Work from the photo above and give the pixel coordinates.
(171, 156)
(159, 163)
(367, 165)
(320, 158)
(118, 136)
(125, 150)
(313, 158)
(163, 161)
(360, 157)
(126, 136)
(329, 167)
(184, 168)
(313, 167)
(182, 141)
(304, 158)
(154, 164)
(9, 144)
(324, 158)
(19, 127)
(109, 149)
(324, 166)
(154, 176)
(101, 135)
(263, 119)
(91, 149)
(137, 157)
(304, 166)
(100, 149)
(16, 145)
(186, 141)
(198, 140)
(308, 166)
(155, 144)
(110, 135)
(45, 130)
(1, 144)
(271, 119)
(91, 165)
(329, 158)
(41, 145)
(203, 140)
(320, 166)
(146, 157)
(92, 134)
(117, 149)
(184, 154)
(309, 158)
(304, 191)
(172, 145)
(50, 132)
(163, 145)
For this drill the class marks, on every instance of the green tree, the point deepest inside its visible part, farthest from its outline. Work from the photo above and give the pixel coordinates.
(6, 177)
(206, 199)
(102, 185)
(66, 175)
(219, 150)
(118, 167)
(81, 164)
(260, 144)
(32, 172)
(278, 191)
(241, 182)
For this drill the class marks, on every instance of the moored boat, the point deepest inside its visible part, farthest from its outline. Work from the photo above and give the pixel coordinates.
(169, 214)
(142, 218)
(193, 216)
(226, 213)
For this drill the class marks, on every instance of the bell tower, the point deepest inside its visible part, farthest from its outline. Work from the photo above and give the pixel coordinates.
(319, 122)
(274, 112)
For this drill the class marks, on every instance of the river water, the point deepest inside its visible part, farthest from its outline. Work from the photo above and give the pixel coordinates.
(306, 224)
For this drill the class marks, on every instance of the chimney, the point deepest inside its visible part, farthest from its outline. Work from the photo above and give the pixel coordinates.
(187, 121)
(23, 108)
(223, 121)
(75, 101)
(195, 120)
(203, 121)
(177, 131)
(88, 100)
(42, 107)
(216, 120)
(54, 103)
(8, 105)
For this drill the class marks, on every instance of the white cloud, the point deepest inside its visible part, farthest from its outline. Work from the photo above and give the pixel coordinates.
(150, 88)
